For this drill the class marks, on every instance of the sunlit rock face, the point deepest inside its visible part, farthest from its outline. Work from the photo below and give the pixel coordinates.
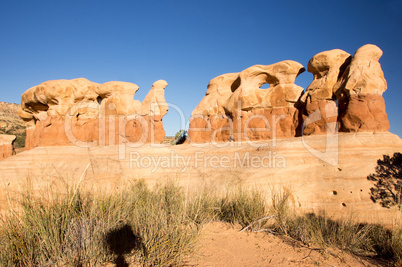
(84, 113)
(360, 90)
(319, 106)
(345, 95)
(7, 146)
(209, 122)
(241, 110)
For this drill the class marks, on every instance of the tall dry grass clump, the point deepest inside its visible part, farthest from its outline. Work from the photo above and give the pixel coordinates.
(149, 227)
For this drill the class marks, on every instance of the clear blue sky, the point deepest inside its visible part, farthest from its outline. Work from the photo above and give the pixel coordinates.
(187, 43)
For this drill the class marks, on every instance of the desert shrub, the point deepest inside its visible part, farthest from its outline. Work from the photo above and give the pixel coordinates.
(179, 138)
(388, 181)
(242, 206)
(20, 140)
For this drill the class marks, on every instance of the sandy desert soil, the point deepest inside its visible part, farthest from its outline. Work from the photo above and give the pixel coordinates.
(223, 245)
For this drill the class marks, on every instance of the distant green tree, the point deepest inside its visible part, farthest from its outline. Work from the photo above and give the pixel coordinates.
(388, 178)
(179, 138)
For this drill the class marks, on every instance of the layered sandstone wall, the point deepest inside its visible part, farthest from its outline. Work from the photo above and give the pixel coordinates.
(345, 96)
(84, 113)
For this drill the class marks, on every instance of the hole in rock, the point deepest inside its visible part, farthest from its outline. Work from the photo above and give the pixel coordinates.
(265, 86)
(99, 99)
(343, 204)
(335, 193)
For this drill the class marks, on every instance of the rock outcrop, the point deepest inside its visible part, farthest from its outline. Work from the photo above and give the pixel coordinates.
(315, 185)
(7, 146)
(266, 113)
(320, 109)
(84, 113)
(360, 90)
(236, 108)
(345, 95)
(209, 119)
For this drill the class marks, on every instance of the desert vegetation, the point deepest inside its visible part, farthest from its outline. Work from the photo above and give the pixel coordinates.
(388, 181)
(160, 226)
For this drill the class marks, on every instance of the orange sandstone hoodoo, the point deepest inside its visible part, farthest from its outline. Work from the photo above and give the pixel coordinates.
(84, 113)
(345, 96)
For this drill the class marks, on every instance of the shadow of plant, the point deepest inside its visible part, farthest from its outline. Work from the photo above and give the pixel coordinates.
(122, 241)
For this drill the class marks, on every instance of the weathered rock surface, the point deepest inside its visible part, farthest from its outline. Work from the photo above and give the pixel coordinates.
(84, 113)
(345, 95)
(208, 120)
(153, 109)
(316, 186)
(260, 114)
(238, 109)
(320, 109)
(7, 145)
(360, 89)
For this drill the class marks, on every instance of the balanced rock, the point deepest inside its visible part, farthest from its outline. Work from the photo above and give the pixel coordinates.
(6, 145)
(84, 113)
(320, 111)
(360, 89)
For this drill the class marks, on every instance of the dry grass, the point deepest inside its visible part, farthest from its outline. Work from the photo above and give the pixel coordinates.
(149, 227)
(160, 226)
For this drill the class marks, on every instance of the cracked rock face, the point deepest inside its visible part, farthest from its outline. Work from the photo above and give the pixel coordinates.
(81, 112)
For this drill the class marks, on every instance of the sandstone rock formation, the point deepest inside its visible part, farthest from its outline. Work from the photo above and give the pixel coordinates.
(6, 145)
(209, 120)
(84, 113)
(345, 95)
(320, 109)
(236, 108)
(315, 186)
(153, 109)
(266, 113)
(360, 89)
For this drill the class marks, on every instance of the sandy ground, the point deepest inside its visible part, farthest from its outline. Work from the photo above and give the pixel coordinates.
(223, 245)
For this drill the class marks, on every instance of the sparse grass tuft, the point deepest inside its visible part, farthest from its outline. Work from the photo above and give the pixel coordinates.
(242, 206)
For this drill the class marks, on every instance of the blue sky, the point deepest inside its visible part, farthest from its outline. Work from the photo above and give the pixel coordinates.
(187, 43)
